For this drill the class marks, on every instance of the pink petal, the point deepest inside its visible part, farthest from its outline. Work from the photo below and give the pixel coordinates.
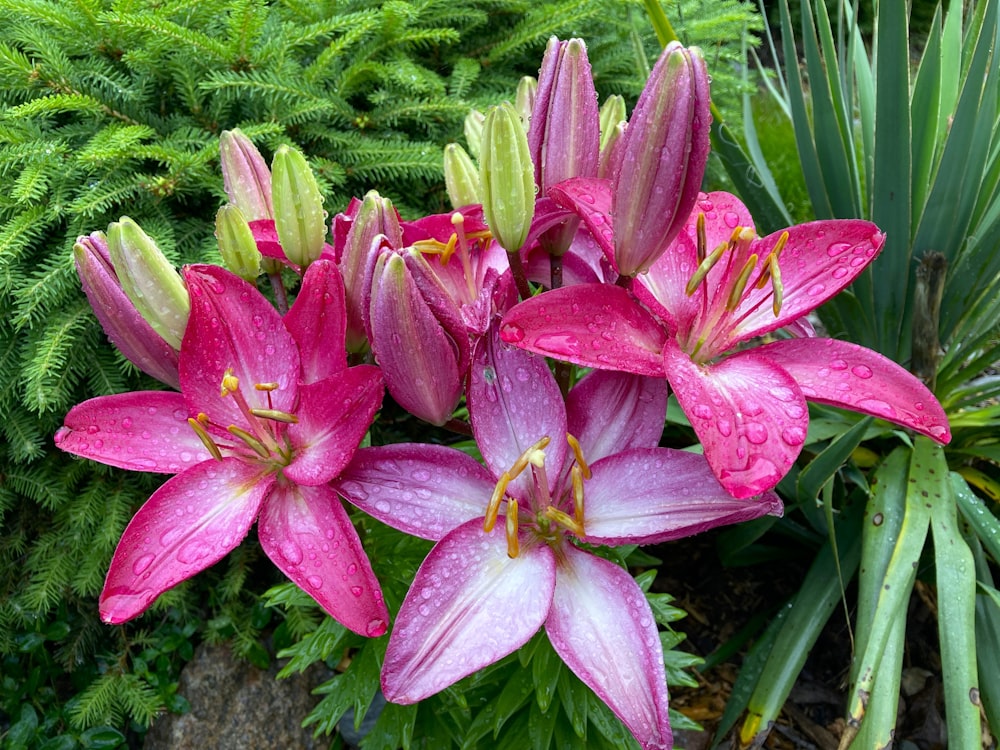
(308, 535)
(610, 412)
(266, 237)
(513, 403)
(469, 605)
(188, 524)
(724, 212)
(232, 326)
(662, 288)
(820, 259)
(654, 495)
(421, 489)
(590, 199)
(748, 413)
(318, 322)
(853, 377)
(603, 628)
(334, 416)
(592, 325)
(139, 431)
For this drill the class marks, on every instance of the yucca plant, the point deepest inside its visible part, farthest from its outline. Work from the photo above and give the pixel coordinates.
(915, 149)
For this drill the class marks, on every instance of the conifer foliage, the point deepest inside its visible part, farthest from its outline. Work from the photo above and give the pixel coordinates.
(111, 108)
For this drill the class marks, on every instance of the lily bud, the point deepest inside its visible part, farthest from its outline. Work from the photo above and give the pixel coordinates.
(423, 361)
(564, 136)
(506, 178)
(375, 216)
(245, 175)
(461, 178)
(657, 175)
(236, 243)
(524, 99)
(473, 130)
(149, 280)
(612, 115)
(298, 207)
(121, 321)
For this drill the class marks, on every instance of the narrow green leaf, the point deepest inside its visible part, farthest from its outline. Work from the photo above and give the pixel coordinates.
(956, 597)
(821, 469)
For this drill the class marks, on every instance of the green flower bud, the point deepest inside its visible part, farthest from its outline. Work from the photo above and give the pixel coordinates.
(461, 178)
(507, 178)
(612, 115)
(149, 280)
(236, 243)
(524, 99)
(298, 207)
(473, 130)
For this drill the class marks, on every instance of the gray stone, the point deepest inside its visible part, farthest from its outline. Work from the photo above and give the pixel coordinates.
(236, 706)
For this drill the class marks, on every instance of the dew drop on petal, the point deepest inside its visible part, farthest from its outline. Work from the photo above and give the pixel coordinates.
(357, 590)
(511, 333)
(142, 564)
(725, 427)
(703, 411)
(315, 581)
(837, 248)
(291, 552)
(352, 569)
(793, 435)
(376, 627)
(838, 364)
(862, 371)
(815, 290)
(756, 433)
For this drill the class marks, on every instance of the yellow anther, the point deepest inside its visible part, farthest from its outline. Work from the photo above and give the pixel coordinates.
(578, 455)
(230, 383)
(740, 285)
(702, 237)
(513, 546)
(494, 506)
(266, 386)
(258, 447)
(530, 456)
(563, 519)
(275, 415)
(735, 236)
(577, 476)
(779, 245)
(449, 250)
(206, 439)
(706, 265)
(779, 290)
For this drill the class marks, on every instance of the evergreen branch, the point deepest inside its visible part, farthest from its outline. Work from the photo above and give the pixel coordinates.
(165, 32)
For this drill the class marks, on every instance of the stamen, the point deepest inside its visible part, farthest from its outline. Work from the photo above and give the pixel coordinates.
(266, 386)
(702, 237)
(230, 383)
(563, 520)
(257, 446)
(494, 505)
(577, 476)
(776, 285)
(529, 456)
(205, 438)
(513, 546)
(740, 285)
(706, 265)
(578, 454)
(275, 415)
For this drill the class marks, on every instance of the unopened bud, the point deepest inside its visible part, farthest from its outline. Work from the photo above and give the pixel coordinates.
(245, 175)
(149, 280)
(298, 207)
(612, 116)
(461, 178)
(236, 243)
(473, 130)
(507, 178)
(524, 99)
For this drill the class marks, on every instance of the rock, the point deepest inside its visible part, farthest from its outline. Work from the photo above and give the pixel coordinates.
(236, 706)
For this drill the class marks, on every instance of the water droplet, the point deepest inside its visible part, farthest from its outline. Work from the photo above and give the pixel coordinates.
(838, 364)
(725, 427)
(793, 435)
(383, 506)
(837, 248)
(127, 423)
(756, 433)
(357, 590)
(315, 581)
(291, 552)
(731, 219)
(816, 289)
(376, 627)
(352, 569)
(142, 564)
(511, 333)
(839, 273)
(862, 371)
(703, 411)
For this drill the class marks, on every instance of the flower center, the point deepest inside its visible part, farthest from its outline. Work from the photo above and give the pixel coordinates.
(460, 241)
(549, 520)
(742, 274)
(266, 436)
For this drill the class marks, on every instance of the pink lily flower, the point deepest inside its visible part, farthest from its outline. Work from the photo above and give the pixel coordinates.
(717, 287)
(268, 414)
(506, 561)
